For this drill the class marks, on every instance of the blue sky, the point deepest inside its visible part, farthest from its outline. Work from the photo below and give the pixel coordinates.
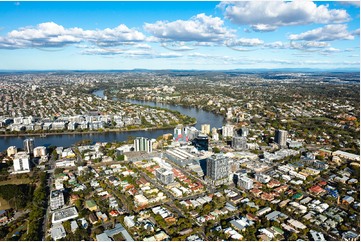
(179, 35)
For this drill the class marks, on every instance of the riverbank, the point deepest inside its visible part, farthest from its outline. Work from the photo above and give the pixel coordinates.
(42, 135)
(165, 102)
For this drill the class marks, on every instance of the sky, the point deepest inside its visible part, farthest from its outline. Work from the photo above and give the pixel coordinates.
(179, 35)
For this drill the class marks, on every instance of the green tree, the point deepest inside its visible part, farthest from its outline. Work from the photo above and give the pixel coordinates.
(293, 237)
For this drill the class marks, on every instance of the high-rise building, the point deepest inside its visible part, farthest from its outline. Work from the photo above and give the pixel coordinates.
(143, 144)
(245, 182)
(215, 135)
(164, 175)
(228, 130)
(218, 169)
(191, 133)
(201, 142)
(179, 133)
(39, 151)
(21, 162)
(56, 199)
(205, 128)
(239, 143)
(214, 130)
(29, 146)
(281, 137)
(12, 150)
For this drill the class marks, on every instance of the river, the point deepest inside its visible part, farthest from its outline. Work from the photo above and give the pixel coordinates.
(66, 140)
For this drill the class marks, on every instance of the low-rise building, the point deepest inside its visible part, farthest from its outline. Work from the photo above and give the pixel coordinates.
(65, 214)
(164, 175)
(57, 231)
(91, 205)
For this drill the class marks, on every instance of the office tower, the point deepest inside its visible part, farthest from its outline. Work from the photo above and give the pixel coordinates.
(205, 128)
(239, 143)
(245, 182)
(21, 162)
(143, 144)
(164, 175)
(227, 130)
(218, 169)
(281, 137)
(201, 142)
(29, 146)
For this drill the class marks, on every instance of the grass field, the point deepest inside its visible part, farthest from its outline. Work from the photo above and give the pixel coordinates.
(15, 181)
(4, 204)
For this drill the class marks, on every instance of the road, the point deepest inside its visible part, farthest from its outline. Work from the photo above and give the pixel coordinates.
(50, 172)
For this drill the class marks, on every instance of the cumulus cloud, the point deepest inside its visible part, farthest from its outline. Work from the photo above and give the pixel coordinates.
(200, 28)
(50, 34)
(326, 33)
(269, 15)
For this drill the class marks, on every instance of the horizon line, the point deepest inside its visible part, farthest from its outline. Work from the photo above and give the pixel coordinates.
(210, 70)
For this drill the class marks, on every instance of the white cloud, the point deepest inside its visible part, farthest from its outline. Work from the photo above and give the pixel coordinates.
(263, 28)
(103, 51)
(356, 32)
(277, 45)
(200, 28)
(129, 53)
(308, 44)
(352, 3)
(142, 46)
(204, 44)
(331, 50)
(269, 15)
(110, 37)
(244, 42)
(50, 34)
(322, 48)
(168, 55)
(177, 46)
(326, 33)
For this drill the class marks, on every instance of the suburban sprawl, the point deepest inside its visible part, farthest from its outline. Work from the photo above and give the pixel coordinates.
(285, 164)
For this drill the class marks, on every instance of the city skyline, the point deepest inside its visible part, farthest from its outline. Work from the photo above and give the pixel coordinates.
(179, 35)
